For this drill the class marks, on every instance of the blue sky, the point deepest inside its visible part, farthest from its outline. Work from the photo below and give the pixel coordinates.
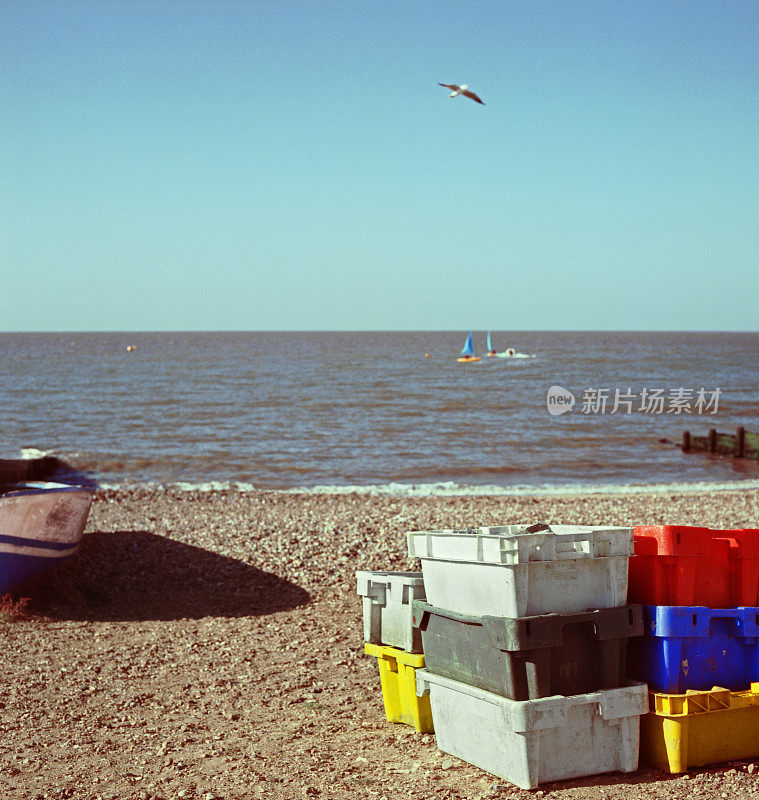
(294, 165)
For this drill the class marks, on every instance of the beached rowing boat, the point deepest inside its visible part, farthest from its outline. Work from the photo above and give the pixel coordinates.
(41, 522)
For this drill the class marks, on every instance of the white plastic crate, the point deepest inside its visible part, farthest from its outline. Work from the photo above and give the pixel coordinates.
(531, 742)
(388, 598)
(505, 572)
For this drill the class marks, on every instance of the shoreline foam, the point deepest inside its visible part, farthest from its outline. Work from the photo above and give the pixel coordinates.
(446, 488)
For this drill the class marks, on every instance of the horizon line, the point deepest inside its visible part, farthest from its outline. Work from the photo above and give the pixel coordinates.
(378, 330)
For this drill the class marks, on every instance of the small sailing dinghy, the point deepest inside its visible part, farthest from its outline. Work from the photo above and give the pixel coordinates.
(491, 349)
(467, 354)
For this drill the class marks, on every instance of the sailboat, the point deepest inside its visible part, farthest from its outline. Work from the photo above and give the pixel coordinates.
(467, 354)
(491, 349)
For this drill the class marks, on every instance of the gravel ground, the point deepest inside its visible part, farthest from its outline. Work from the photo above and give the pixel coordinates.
(208, 645)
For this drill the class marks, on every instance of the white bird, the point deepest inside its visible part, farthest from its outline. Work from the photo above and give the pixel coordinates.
(463, 89)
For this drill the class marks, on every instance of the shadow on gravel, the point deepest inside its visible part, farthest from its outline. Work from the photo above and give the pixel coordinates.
(136, 575)
(642, 776)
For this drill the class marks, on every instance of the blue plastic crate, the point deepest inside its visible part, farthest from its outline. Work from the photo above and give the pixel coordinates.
(694, 647)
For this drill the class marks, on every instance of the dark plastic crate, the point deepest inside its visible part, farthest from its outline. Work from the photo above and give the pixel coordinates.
(530, 657)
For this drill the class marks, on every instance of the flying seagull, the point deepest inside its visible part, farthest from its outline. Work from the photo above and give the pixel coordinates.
(463, 89)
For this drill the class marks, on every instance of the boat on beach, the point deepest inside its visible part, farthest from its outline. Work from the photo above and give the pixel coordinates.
(41, 520)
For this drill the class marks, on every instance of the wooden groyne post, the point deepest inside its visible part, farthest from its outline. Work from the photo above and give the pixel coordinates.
(740, 442)
(712, 437)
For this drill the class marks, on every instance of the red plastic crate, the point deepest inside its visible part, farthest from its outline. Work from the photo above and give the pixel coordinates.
(676, 565)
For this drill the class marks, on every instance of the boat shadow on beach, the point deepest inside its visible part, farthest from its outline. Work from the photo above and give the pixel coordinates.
(137, 575)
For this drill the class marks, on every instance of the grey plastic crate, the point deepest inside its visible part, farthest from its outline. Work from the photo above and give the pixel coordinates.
(388, 607)
(507, 571)
(537, 741)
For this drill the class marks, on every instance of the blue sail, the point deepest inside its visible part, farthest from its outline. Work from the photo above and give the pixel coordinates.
(468, 347)
(490, 346)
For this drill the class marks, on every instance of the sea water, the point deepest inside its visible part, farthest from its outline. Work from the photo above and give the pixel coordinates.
(382, 411)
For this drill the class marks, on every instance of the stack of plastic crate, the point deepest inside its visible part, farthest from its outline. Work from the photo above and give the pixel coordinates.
(700, 653)
(524, 633)
(390, 637)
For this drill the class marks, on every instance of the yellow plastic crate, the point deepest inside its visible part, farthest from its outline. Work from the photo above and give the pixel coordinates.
(397, 670)
(697, 728)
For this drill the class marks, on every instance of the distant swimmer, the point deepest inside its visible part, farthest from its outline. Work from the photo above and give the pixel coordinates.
(463, 89)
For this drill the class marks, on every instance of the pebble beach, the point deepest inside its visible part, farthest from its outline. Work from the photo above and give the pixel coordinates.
(209, 645)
